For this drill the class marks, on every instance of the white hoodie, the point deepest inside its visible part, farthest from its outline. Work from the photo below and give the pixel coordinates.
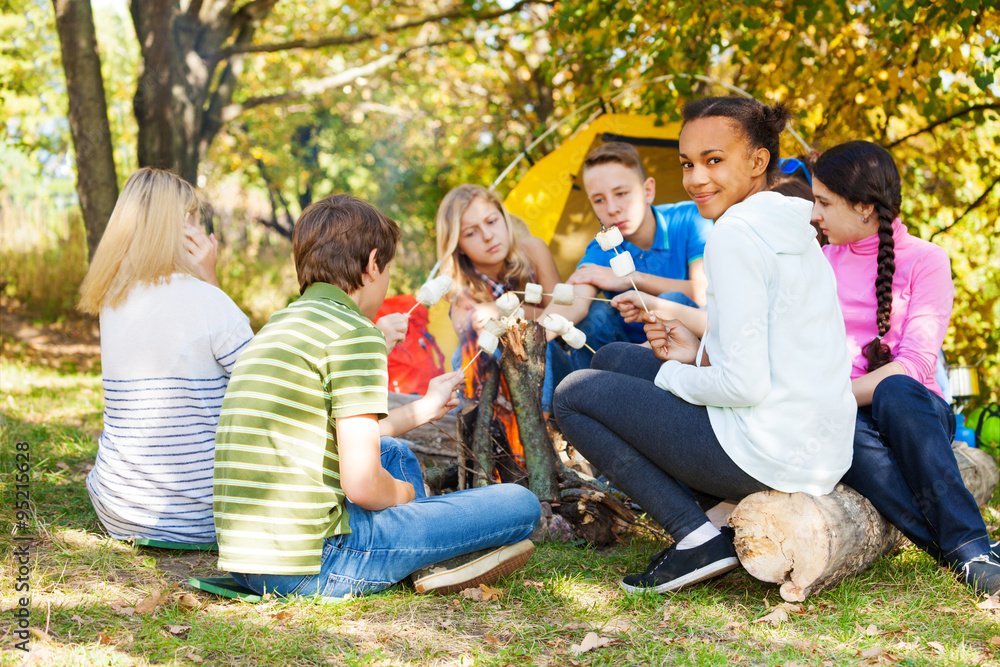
(778, 389)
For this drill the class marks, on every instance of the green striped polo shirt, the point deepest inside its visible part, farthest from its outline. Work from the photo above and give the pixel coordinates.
(277, 471)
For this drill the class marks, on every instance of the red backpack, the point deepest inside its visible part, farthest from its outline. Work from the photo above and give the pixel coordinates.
(413, 362)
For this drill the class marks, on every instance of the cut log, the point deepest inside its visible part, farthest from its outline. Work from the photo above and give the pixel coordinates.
(807, 544)
(523, 367)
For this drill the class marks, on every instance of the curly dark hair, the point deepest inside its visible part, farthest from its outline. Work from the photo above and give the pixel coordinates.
(760, 124)
(865, 173)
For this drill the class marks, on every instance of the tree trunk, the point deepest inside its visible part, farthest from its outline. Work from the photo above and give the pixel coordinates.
(523, 367)
(810, 543)
(97, 183)
(482, 437)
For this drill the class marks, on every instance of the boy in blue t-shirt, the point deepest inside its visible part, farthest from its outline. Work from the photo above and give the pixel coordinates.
(666, 243)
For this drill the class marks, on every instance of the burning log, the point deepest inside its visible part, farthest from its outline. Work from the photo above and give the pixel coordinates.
(810, 543)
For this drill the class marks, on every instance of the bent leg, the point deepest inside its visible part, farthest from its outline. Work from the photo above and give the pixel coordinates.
(652, 449)
(918, 427)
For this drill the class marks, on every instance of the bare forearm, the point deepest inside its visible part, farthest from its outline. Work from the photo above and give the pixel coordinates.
(651, 284)
(405, 418)
(864, 386)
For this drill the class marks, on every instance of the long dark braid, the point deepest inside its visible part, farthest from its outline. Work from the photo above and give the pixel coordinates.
(864, 173)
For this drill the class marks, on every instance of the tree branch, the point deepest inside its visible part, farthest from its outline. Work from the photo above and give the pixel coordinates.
(947, 119)
(973, 206)
(341, 40)
(322, 85)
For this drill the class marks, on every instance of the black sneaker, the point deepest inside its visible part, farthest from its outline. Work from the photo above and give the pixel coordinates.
(676, 569)
(982, 574)
(470, 570)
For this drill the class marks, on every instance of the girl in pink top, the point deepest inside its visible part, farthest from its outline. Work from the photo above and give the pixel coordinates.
(896, 294)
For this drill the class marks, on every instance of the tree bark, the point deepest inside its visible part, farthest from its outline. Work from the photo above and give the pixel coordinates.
(482, 440)
(97, 182)
(523, 366)
(807, 544)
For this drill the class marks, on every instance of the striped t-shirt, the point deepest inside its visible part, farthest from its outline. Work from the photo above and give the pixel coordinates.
(277, 470)
(166, 355)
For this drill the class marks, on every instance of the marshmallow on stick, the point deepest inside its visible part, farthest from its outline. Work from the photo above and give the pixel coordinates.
(496, 327)
(609, 238)
(433, 290)
(507, 304)
(532, 293)
(487, 342)
(623, 265)
(575, 338)
(562, 294)
(557, 324)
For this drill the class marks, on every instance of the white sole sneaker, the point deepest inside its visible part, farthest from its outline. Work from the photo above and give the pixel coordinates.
(699, 575)
(471, 570)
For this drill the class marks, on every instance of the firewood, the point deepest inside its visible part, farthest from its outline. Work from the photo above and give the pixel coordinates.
(810, 543)
(523, 367)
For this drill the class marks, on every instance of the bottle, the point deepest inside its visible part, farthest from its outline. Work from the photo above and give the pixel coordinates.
(963, 432)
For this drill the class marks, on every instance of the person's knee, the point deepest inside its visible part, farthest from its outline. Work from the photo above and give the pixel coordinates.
(607, 358)
(566, 396)
(895, 393)
(521, 502)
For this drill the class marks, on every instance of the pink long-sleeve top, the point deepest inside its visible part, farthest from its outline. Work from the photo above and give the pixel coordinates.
(922, 297)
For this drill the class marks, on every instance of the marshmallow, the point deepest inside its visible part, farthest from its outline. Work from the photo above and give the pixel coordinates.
(496, 327)
(487, 342)
(432, 290)
(507, 304)
(575, 338)
(622, 264)
(557, 324)
(610, 238)
(519, 315)
(562, 294)
(532, 293)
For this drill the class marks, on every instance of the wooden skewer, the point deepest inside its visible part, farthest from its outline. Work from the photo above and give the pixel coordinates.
(590, 348)
(466, 367)
(575, 296)
(412, 309)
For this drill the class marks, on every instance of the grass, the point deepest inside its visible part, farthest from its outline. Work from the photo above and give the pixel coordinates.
(85, 587)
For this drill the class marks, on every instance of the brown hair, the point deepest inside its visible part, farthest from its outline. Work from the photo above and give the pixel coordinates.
(334, 237)
(616, 152)
(865, 173)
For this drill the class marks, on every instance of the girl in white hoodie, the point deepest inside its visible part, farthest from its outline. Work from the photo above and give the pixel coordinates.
(762, 401)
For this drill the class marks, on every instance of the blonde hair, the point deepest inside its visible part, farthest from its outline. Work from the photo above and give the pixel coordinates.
(144, 240)
(517, 267)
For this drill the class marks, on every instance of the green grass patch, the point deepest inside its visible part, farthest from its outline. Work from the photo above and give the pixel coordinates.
(86, 591)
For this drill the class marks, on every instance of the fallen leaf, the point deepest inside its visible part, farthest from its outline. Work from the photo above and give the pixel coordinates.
(104, 639)
(793, 608)
(491, 639)
(151, 603)
(617, 625)
(194, 657)
(189, 602)
(779, 615)
(906, 646)
(178, 630)
(871, 630)
(937, 646)
(490, 593)
(125, 611)
(589, 643)
(40, 634)
(735, 625)
(992, 602)
(872, 652)
(282, 615)
(946, 610)
(62, 465)
(994, 641)
(76, 618)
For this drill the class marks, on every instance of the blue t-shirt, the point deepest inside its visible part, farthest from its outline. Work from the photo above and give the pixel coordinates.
(680, 240)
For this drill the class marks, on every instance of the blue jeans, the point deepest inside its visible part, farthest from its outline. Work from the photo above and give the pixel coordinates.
(385, 547)
(904, 465)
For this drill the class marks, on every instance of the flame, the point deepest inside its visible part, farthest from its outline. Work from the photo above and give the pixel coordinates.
(502, 407)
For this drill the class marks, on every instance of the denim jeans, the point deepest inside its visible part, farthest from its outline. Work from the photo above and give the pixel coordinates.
(904, 465)
(384, 547)
(652, 445)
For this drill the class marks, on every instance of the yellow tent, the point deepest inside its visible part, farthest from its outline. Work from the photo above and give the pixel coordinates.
(550, 197)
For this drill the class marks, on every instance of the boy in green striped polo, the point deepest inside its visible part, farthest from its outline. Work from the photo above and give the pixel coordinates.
(313, 495)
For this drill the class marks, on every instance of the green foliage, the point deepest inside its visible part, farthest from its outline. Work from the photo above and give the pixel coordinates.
(917, 77)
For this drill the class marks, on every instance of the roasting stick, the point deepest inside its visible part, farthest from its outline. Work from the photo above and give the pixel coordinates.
(613, 245)
(577, 296)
